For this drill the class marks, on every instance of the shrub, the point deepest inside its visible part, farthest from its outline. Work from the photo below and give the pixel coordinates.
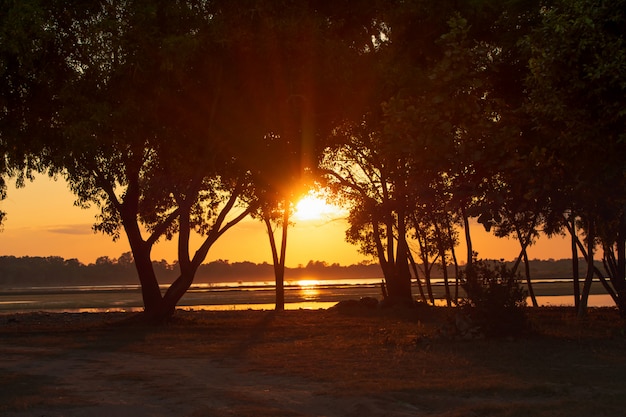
(495, 300)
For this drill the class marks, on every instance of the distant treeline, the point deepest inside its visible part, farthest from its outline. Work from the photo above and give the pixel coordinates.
(55, 271)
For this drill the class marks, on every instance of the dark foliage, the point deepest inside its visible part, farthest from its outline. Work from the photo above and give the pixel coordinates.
(495, 300)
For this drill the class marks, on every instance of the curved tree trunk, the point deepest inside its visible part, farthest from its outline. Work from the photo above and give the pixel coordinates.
(444, 266)
(457, 284)
(531, 291)
(417, 277)
(395, 268)
(468, 237)
(524, 242)
(150, 291)
(619, 278)
(279, 260)
(423, 256)
(575, 269)
(582, 308)
(403, 292)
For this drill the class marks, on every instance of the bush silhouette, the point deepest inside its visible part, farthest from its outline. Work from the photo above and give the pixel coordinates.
(495, 300)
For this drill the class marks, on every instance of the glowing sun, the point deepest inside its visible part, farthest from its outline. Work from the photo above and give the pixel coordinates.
(311, 207)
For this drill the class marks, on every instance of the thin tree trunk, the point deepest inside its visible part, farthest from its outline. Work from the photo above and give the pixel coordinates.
(444, 266)
(402, 263)
(531, 292)
(582, 309)
(596, 271)
(445, 280)
(456, 276)
(524, 256)
(417, 277)
(620, 277)
(524, 242)
(468, 237)
(280, 278)
(575, 268)
(279, 261)
(426, 262)
(429, 284)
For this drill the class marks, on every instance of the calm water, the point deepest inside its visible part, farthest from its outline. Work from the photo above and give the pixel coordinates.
(304, 294)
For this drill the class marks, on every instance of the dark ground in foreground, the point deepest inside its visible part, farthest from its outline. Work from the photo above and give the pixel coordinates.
(309, 363)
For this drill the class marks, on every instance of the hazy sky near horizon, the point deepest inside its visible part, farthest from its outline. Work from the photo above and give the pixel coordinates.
(42, 221)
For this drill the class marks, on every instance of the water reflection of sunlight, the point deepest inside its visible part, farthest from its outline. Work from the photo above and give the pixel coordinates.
(308, 289)
(308, 283)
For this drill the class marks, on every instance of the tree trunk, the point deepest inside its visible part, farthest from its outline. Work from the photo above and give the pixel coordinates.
(582, 308)
(446, 284)
(279, 260)
(468, 237)
(524, 242)
(597, 272)
(425, 262)
(280, 276)
(417, 278)
(150, 291)
(619, 282)
(402, 262)
(174, 293)
(395, 268)
(398, 279)
(531, 291)
(575, 270)
(456, 271)
(444, 266)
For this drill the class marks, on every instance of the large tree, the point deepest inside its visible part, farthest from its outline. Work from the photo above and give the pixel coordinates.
(577, 97)
(374, 183)
(294, 70)
(139, 126)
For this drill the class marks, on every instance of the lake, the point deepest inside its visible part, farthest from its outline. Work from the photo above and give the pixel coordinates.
(257, 295)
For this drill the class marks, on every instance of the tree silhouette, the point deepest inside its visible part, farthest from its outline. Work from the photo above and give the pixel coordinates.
(577, 100)
(136, 112)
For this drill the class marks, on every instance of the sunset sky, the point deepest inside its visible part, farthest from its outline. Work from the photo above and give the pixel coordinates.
(42, 221)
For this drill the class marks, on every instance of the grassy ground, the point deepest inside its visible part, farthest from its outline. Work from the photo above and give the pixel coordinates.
(309, 363)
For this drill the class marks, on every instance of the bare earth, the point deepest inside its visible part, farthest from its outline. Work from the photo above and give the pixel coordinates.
(309, 363)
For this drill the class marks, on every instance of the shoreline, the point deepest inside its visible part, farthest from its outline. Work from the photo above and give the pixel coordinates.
(311, 297)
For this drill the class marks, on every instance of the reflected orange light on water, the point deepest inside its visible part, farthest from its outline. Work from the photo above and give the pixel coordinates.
(311, 305)
(308, 283)
(308, 289)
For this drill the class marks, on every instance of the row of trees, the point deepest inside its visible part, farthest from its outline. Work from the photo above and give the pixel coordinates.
(514, 115)
(54, 271)
(185, 117)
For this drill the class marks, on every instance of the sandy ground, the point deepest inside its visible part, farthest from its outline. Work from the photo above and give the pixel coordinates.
(95, 380)
(256, 364)
(120, 384)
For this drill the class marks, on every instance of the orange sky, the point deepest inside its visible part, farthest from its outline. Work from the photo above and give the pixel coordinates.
(42, 221)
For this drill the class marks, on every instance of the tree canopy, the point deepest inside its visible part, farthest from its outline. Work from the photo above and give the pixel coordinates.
(181, 118)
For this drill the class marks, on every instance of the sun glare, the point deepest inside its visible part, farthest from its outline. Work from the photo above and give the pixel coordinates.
(308, 282)
(312, 207)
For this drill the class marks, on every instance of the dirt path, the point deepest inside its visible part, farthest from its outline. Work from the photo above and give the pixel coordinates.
(95, 383)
